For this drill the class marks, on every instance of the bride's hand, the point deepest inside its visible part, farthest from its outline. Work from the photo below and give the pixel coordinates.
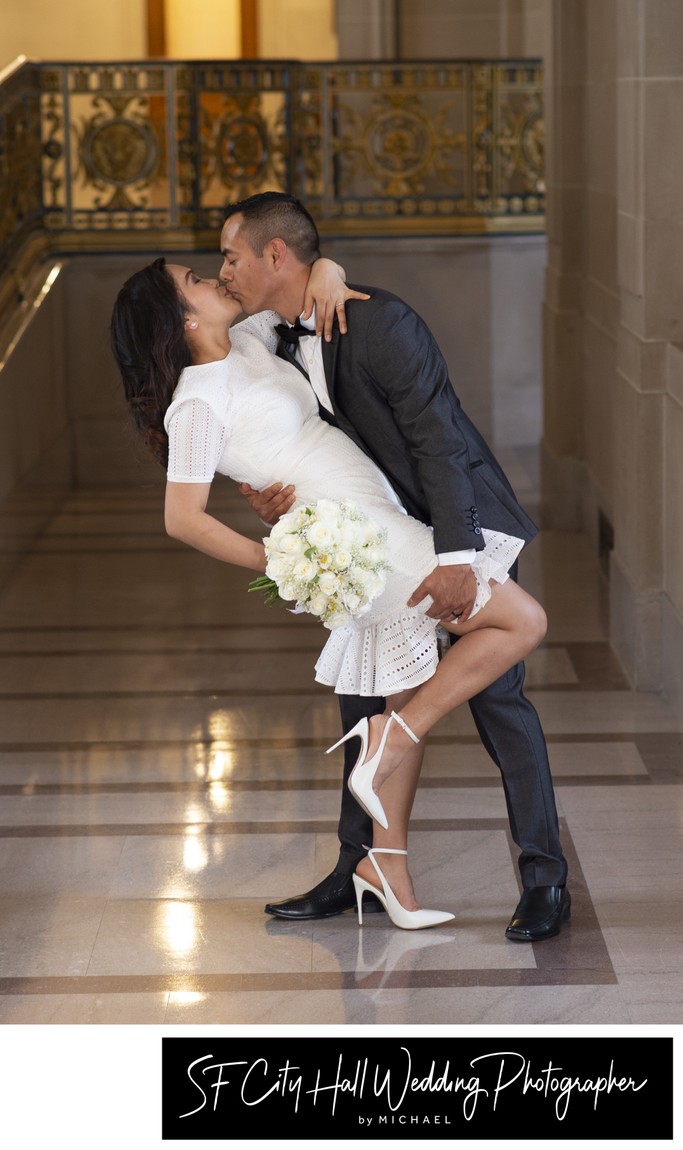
(327, 291)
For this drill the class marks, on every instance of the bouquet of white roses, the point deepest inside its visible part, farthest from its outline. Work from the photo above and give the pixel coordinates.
(329, 558)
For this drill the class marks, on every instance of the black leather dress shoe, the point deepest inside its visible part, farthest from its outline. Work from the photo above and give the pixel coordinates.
(540, 914)
(333, 895)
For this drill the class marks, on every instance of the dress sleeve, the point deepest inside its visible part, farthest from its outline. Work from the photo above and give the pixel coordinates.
(261, 325)
(196, 438)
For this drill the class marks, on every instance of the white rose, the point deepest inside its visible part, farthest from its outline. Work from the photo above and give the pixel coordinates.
(277, 567)
(352, 601)
(317, 604)
(341, 559)
(376, 584)
(327, 510)
(291, 544)
(288, 589)
(304, 569)
(321, 535)
(284, 526)
(338, 619)
(328, 583)
(277, 530)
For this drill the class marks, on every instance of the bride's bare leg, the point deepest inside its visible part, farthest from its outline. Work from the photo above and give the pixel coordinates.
(503, 633)
(398, 795)
(510, 626)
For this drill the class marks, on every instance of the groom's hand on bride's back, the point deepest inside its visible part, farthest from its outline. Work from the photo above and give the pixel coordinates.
(271, 503)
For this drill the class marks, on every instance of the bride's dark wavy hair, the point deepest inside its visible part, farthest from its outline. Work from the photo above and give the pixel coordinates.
(147, 336)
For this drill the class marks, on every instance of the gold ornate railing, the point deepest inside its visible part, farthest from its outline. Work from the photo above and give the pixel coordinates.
(97, 156)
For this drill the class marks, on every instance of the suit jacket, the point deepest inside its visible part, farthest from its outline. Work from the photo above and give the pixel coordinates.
(391, 394)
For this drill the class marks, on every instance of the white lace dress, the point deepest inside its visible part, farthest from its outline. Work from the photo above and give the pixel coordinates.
(254, 417)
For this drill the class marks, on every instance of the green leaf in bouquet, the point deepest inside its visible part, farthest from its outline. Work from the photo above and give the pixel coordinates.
(269, 589)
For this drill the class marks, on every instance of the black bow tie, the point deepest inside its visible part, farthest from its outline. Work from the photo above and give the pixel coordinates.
(292, 334)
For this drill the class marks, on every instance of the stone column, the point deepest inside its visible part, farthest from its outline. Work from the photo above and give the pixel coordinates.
(563, 462)
(367, 29)
(613, 430)
(646, 574)
(448, 29)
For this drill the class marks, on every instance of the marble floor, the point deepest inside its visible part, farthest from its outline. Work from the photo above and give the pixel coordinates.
(162, 777)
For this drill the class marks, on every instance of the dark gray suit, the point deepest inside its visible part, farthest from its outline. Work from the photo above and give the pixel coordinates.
(391, 394)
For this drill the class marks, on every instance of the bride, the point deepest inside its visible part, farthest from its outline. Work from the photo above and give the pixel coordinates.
(208, 398)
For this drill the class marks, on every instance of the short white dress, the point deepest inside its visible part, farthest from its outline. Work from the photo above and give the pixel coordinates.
(255, 418)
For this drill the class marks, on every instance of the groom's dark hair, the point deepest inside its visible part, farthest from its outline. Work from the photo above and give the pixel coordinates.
(271, 215)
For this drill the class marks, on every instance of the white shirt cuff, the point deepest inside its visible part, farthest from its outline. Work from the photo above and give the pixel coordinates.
(448, 558)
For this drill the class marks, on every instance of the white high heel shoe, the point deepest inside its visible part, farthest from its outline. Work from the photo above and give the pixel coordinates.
(405, 919)
(362, 775)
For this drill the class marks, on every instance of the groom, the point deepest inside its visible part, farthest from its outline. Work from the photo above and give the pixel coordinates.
(385, 384)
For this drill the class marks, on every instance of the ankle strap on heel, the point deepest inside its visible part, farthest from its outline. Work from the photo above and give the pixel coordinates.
(386, 851)
(404, 726)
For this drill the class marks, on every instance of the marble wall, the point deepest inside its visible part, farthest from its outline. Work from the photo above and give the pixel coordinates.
(72, 30)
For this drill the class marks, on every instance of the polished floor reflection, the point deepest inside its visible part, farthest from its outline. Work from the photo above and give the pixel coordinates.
(162, 777)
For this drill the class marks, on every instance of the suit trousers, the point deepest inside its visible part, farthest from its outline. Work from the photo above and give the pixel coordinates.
(510, 729)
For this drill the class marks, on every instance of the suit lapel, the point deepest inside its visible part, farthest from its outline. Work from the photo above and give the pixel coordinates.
(344, 420)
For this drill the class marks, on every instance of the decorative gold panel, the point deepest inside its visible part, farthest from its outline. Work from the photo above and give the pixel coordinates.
(242, 142)
(110, 163)
(21, 192)
(131, 155)
(431, 148)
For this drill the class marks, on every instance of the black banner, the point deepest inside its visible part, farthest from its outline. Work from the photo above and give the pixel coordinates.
(417, 1088)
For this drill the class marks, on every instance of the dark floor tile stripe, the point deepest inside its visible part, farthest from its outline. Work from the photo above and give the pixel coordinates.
(275, 827)
(597, 667)
(305, 982)
(246, 786)
(190, 650)
(663, 753)
(186, 787)
(71, 745)
(162, 549)
(182, 693)
(189, 628)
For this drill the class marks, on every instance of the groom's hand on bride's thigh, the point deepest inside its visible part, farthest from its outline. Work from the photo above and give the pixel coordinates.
(271, 503)
(452, 588)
